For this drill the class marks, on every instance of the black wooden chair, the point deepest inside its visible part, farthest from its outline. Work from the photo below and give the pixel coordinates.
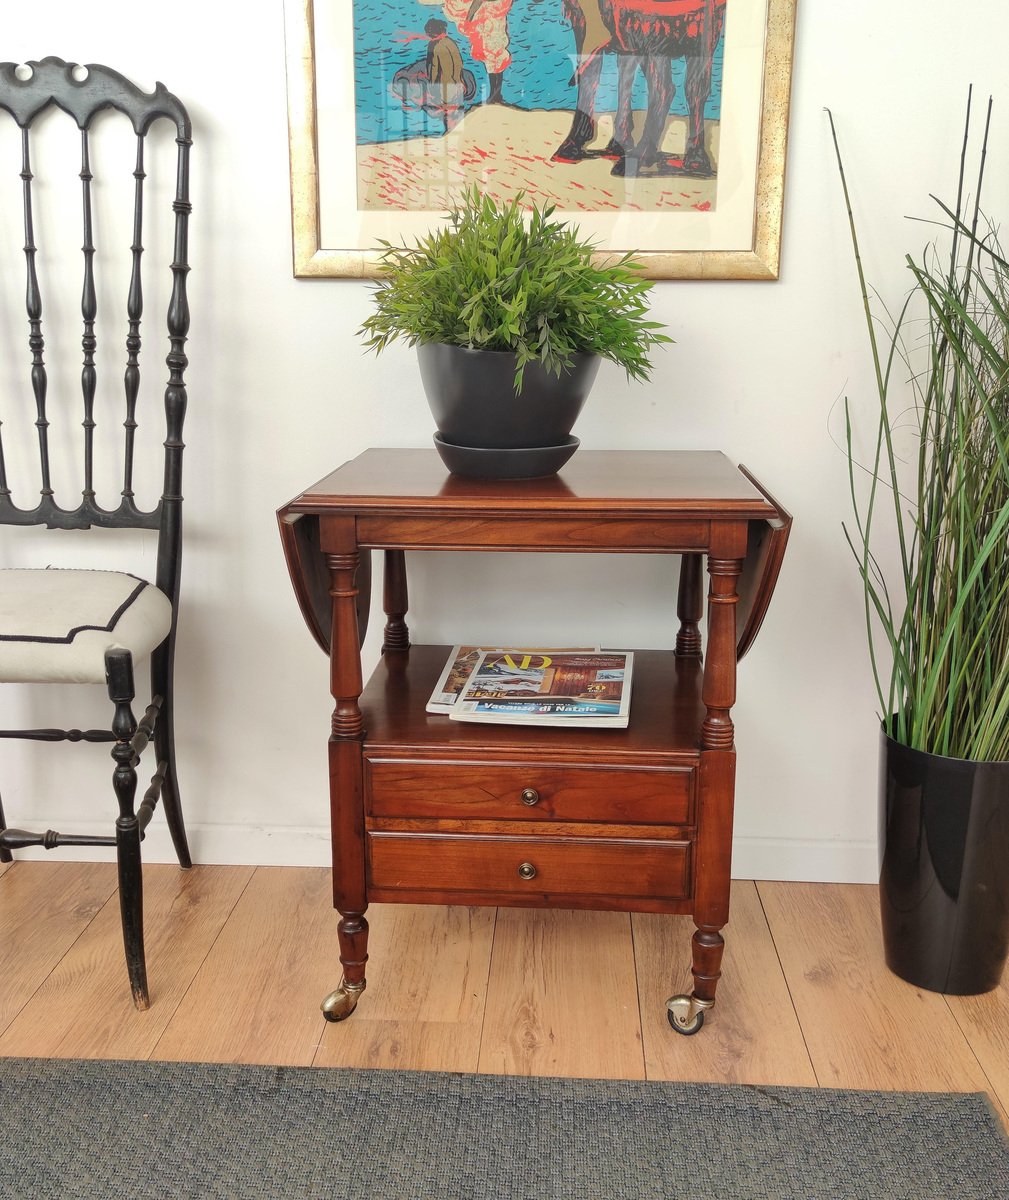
(91, 626)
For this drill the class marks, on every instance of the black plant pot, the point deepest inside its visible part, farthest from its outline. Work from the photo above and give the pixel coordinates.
(944, 869)
(510, 434)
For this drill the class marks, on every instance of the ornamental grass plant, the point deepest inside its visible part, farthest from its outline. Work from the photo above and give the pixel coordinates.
(494, 279)
(938, 622)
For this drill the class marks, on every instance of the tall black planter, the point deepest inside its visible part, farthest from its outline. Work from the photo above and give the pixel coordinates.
(944, 869)
(487, 429)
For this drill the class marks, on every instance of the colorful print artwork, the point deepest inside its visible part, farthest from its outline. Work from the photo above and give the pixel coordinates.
(597, 105)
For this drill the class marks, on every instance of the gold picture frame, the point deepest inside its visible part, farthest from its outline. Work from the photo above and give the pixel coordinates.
(685, 249)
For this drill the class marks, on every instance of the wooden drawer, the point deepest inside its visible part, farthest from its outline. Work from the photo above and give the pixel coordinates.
(555, 867)
(553, 792)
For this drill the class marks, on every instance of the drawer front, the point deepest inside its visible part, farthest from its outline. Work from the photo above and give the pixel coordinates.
(535, 867)
(513, 791)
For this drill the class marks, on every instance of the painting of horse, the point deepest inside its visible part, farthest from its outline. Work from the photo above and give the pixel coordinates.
(557, 99)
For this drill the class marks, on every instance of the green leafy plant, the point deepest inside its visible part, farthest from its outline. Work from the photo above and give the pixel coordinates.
(938, 624)
(493, 280)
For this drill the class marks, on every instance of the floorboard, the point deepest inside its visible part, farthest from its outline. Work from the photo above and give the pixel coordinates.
(44, 909)
(84, 1008)
(240, 958)
(752, 1035)
(256, 997)
(562, 997)
(984, 1021)
(427, 989)
(864, 1027)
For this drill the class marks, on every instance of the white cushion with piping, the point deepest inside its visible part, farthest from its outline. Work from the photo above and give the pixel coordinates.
(56, 624)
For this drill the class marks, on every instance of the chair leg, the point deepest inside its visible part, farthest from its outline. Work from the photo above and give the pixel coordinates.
(131, 905)
(5, 854)
(164, 745)
(119, 674)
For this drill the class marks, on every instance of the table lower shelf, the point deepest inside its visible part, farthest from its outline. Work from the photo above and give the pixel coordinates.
(665, 719)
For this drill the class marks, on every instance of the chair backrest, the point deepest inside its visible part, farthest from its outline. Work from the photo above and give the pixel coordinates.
(26, 91)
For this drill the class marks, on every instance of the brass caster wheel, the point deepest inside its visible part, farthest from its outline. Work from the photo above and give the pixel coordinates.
(340, 1004)
(686, 1013)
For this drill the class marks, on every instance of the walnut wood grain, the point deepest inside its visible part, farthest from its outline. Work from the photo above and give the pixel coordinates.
(765, 551)
(647, 483)
(534, 791)
(395, 601)
(482, 897)
(558, 868)
(346, 786)
(719, 689)
(528, 828)
(547, 532)
(689, 606)
(666, 716)
(306, 565)
(426, 809)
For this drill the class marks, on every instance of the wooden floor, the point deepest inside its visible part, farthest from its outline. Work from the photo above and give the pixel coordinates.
(239, 958)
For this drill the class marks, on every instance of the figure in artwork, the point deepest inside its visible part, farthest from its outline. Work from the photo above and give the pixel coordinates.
(484, 23)
(444, 62)
(438, 83)
(595, 105)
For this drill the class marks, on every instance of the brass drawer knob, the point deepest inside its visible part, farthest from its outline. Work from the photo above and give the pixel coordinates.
(527, 871)
(530, 796)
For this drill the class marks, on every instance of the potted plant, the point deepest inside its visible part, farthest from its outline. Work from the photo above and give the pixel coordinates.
(511, 314)
(931, 537)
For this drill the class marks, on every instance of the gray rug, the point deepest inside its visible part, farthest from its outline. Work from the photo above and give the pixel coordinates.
(124, 1130)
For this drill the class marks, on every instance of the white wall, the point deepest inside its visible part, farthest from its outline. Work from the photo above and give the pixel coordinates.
(280, 393)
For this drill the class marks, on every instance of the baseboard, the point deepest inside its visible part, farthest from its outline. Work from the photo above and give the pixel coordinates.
(226, 845)
(799, 860)
(309, 846)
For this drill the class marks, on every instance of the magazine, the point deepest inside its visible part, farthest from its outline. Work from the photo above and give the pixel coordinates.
(454, 678)
(460, 666)
(570, 688)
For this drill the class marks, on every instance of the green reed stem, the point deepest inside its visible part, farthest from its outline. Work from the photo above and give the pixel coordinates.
(938, 633)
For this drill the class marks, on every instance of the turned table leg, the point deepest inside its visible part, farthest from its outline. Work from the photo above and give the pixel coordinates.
(353, 934)
(689, 607)
(395, 602)
(345, 773)
(713, 847)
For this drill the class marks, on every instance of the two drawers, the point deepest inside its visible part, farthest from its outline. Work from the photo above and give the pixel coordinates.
(524, 833)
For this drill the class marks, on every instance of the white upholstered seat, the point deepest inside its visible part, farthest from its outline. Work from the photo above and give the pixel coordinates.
(55, 625)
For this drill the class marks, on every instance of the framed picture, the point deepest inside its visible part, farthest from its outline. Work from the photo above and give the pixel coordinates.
(655, 126)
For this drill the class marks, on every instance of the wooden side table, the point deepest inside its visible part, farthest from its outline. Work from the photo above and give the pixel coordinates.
(429, 810)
